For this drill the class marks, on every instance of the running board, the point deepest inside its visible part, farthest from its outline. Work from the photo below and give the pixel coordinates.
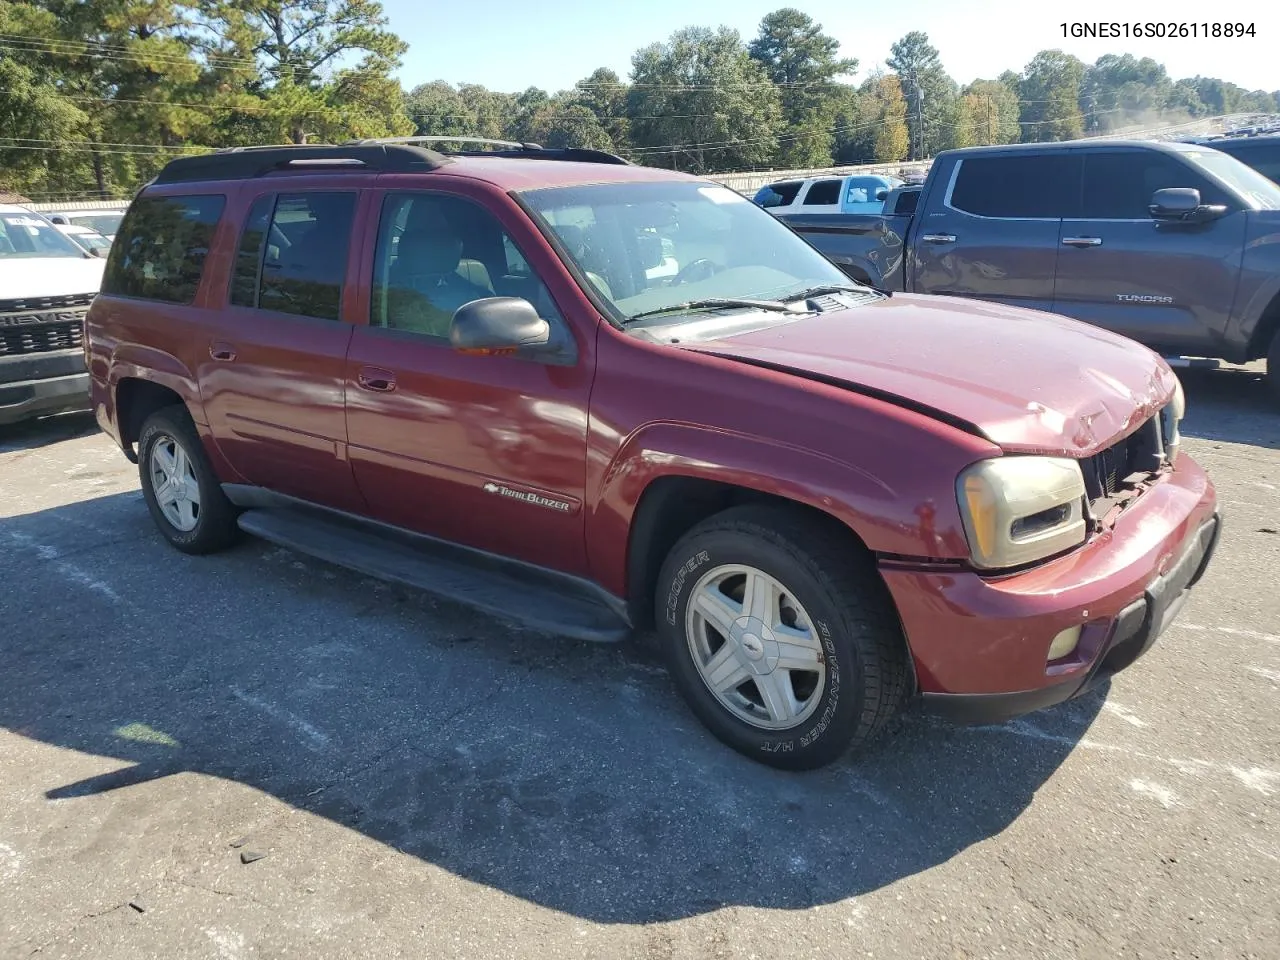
(540, 599)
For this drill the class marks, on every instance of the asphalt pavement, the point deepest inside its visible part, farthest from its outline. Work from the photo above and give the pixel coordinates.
(255, 754)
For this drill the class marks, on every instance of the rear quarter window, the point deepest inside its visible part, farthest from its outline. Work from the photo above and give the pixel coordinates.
(161, 248)
(778, 194)
(1020, 186)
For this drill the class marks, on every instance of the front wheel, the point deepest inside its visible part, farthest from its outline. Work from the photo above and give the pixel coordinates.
(781, 642)
(179, 485)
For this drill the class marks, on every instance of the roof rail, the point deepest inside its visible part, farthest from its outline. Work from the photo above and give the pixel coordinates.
(244, 163)
(507, 148)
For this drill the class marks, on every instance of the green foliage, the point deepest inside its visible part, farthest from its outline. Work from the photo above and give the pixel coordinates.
(699, 102)
(803, 63)
(1050, 95)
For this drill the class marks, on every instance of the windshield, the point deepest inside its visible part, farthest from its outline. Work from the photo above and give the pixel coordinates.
(646, 246)
(107, 224)
(91, 241)
(1261, 193)
(25, 236)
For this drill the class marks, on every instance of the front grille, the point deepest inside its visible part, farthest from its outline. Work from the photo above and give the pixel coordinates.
(1113, 472)
(38, 304)
(40, 338)
(41, 324)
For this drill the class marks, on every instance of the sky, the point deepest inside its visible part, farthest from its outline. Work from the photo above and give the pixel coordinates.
(514, 44)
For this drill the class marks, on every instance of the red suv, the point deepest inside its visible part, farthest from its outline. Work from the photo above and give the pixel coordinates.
(593, 397)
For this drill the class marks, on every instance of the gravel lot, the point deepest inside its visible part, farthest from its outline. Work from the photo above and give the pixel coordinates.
(418, 781)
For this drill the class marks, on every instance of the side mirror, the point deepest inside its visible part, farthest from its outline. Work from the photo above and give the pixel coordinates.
(97, 252)
(881, 194)
(499, 326)
(1182, 205)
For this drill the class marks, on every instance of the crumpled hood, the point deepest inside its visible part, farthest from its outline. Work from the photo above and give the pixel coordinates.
(23, 278)
(1029, 381)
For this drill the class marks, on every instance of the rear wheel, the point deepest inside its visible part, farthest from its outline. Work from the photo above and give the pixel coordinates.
(179, 485)
(781, 642)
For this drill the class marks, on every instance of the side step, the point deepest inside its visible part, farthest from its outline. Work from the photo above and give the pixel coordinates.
(540, 599)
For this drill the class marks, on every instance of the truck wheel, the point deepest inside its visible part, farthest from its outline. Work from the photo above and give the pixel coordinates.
(782, 643)
(181, 490)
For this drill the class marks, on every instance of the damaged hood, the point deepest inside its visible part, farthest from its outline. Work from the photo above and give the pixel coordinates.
(1028, 381)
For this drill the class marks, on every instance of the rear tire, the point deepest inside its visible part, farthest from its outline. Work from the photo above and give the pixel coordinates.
(778, 638)
(178, 483)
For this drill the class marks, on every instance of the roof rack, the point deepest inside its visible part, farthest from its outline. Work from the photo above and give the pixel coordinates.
(244, 163)
(507, 148)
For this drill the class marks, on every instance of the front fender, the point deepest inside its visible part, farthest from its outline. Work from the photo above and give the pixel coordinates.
(1258, 289)
(890, 516)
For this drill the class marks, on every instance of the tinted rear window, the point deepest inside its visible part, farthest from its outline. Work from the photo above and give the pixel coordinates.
(823, 192)
(160, 251)
(1046, 186)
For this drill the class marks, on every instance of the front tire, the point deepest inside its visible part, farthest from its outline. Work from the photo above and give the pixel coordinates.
(178, 483)
(778, 638)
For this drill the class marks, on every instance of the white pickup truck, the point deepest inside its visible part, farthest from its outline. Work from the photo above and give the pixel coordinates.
(46, 285)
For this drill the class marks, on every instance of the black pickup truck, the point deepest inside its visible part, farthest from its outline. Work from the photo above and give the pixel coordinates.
(1174, 245)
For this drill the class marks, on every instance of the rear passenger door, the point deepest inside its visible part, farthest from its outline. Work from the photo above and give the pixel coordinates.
(993, 233)
(822, 196)
(1167, 285)
(272, 374)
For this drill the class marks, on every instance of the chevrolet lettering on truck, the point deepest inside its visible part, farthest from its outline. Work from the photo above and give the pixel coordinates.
(457, 365)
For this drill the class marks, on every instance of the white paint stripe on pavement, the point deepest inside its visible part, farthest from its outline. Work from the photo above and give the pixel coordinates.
(65, 568)
(315, 737)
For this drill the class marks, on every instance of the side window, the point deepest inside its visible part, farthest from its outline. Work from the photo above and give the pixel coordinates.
(1118, 186)
(1018, 186)
(160, 251)
(436, 253)
(304, 254)
(248, 267)
(823, 193)
(778, 194)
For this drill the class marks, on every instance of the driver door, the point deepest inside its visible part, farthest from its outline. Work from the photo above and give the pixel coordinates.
(1167, 285)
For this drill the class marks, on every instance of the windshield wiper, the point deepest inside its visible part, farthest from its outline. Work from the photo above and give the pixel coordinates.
(711, 302)
(827, 289)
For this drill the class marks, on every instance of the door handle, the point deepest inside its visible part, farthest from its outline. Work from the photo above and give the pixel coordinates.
(375, 378)
(222, 351)
(939, 238)
(1082, 241)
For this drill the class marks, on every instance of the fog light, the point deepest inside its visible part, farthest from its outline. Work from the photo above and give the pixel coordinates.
(1064, 643)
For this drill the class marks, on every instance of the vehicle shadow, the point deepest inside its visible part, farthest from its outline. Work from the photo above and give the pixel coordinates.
(42, 432)
(1232, 405)
(566, 774)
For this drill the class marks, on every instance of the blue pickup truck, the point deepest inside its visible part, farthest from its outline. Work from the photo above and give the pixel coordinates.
(1174, 245)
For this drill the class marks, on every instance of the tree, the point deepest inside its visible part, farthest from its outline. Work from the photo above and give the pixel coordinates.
(437, 110)
(605, 95)
(802, 61)
(1121, 90)
(301, 79)
(699, 102)
(993, 112)
(881, 133)
(1050, 95)
(564, 124)
(931, 94)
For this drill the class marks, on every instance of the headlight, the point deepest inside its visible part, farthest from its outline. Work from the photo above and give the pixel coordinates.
(1018, 510)
(1170, 418)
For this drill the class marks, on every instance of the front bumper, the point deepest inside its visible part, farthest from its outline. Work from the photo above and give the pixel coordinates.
(980, 644)
(33, 386)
